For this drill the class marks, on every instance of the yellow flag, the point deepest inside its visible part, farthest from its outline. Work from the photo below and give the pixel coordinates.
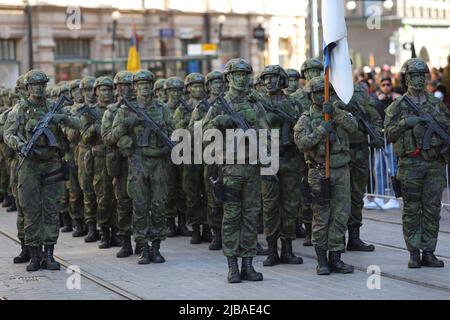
(134, 59)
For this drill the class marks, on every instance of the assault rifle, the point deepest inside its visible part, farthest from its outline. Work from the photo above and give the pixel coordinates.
(240, 121)
(42, 128)
(433, 127)
(186, 108)
(375, 139)
(151, 125)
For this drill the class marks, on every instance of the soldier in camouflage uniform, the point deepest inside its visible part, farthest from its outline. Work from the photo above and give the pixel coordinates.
(310, 68)
(330, 215)
(281, 192)
(160, 92)
(193, 184)
(103, 187)
(294, 79)
(176, 201)
(117, 164)
(359, 165)
(147, 165)
(5, 155)
(75, 192)
(421, 172)
(86, 160)
(215, 85)
(241, 182)
(40, 180)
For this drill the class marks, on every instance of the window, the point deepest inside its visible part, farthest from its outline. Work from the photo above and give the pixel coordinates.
(7, 50)
(72, 49)
(231, 48)
(284, 53)
(122, 47)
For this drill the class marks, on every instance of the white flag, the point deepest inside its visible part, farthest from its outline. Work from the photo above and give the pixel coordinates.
(335, 38)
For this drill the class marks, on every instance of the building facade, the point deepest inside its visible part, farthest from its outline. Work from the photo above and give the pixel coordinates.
(71, 39)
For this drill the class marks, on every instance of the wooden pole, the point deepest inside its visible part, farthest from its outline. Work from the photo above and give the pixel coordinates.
(327, 118)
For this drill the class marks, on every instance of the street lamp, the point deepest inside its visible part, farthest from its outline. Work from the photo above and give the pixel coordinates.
(388, 4)
(115, 17)
(351, 5)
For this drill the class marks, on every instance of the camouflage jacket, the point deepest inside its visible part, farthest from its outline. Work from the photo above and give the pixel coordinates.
(310, 136)
(408, 141)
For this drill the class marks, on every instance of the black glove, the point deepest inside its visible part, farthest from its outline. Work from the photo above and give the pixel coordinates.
(328, 108)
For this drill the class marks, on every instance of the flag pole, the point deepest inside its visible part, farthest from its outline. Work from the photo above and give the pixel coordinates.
(327, 118)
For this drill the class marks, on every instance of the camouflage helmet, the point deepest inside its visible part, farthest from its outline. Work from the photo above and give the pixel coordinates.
(292, 73)
(87, 82)
(258, 79)
(35, 76)
(103, 81)
(74, 84)
(278, 71)
(194, 78)
(316, 84)
(143, 75)
(123, 77)
(237, 64)
(159, 84)
(20, 82)
(311, 64)
(174, 82)
(215, 75)
(414, 65)
(63, 86)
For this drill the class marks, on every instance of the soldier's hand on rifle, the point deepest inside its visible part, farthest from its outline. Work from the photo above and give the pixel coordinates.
(412, 121)
(130, 120)
(222, 120)
(21, 147)
(59, 118)
(327, 126)
(328, 108)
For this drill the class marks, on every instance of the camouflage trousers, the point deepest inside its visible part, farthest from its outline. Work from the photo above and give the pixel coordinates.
(305, 211)
(215, 211)
(75, 193)
(281, 200)
(124, 207)
(103, 188)
(176, 201)
(86, 178)
(359, 175)
(330, 217)
(4, 176)
(40, 189)
(13, 178)
(241, 206)
(148, 188)
(196, 199)
(422, 183)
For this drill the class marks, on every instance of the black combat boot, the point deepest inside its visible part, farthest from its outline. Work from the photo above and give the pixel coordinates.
(79, 230)
(261, 251)
(48, 262)
(287, 256)
(233, 270)
(171, 228)
(248, 272)
(182, 228)
(92, 235)
(105, 241)
(13, 207)
(35, 262)
(300, 232)
(115, 240)
(216, 243)
(206, 233)
(7, 201)
(156, 256)
(138, 248)
(414, 260)
(308, 231)
(144, 258)
(67, 222)
(196, 237)
(337, 265)
(24, 255)
(127, 249)
(355, 243)
(322, 263)
(273, 258)
(430, 260)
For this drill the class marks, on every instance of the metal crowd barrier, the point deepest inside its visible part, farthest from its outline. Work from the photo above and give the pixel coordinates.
(383, 165)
